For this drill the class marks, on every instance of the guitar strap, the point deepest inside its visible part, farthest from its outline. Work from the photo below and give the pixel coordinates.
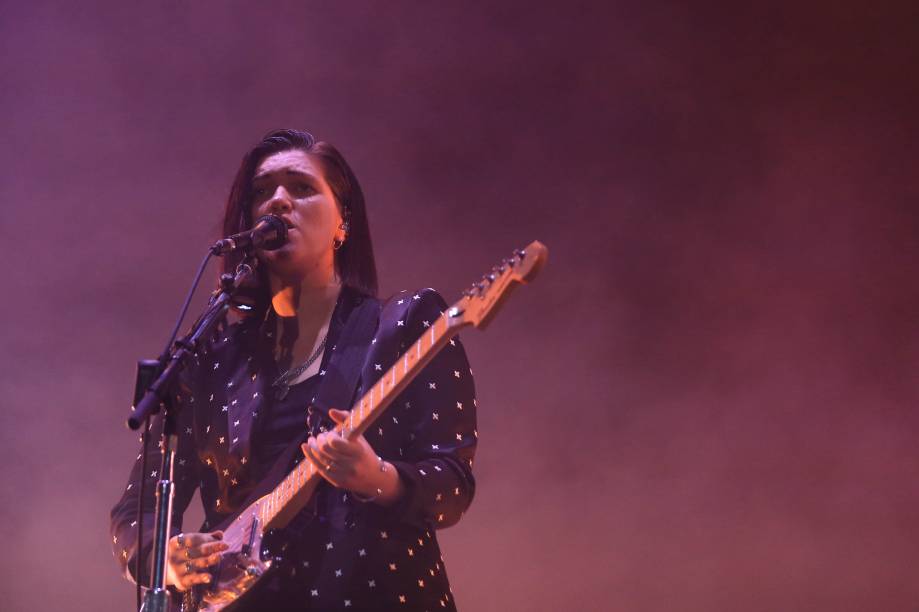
(338, 387)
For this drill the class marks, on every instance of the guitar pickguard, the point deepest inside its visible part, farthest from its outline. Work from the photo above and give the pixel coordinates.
(252, 553)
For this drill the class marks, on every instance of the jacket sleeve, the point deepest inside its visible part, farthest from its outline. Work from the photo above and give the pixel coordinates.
(124, 514)
(436, 461)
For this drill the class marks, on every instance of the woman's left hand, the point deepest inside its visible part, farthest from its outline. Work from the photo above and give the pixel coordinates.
(352, 464)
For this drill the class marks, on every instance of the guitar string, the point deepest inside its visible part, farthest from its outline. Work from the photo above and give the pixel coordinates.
(286, 491)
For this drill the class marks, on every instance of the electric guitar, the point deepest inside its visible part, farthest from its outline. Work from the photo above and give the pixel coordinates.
(248, 560)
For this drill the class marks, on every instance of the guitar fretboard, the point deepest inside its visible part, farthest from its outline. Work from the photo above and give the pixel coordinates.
(289, 497)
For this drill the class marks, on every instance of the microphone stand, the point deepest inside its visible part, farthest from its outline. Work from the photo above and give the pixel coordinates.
(159, 393)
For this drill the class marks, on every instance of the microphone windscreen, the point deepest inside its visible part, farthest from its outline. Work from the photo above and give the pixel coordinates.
(272, 233)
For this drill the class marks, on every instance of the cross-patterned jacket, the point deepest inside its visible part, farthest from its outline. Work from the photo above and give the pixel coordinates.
(348, 553)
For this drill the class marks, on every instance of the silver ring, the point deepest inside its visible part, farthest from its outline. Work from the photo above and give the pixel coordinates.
(189, 568)
(180, 539)
(328, 467)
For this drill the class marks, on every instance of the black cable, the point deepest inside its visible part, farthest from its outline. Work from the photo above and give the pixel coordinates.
(194, 285)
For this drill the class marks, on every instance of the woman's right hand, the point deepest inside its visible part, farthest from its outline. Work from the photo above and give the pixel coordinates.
(190, 554)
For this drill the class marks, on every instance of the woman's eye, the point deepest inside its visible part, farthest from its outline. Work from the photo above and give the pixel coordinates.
(303, 188)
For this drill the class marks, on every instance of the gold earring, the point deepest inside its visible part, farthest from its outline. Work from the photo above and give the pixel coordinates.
(337, 242)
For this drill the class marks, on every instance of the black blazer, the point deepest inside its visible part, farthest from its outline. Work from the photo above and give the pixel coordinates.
(349, 554)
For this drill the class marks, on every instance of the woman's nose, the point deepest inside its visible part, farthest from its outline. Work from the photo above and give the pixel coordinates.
(280, 201)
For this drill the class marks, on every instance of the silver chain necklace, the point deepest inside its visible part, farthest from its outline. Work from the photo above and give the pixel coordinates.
(281, 386)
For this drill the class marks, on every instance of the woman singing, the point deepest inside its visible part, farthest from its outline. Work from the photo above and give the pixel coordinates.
(367, 539)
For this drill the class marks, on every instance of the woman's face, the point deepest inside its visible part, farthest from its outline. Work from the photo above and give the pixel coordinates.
(290, 184)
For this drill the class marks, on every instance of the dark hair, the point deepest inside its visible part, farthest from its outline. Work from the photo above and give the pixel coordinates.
(354, 262)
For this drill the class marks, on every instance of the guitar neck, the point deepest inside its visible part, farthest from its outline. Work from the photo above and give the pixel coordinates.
(293, 493)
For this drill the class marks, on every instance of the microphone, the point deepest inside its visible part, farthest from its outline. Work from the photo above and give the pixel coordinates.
(269, 233)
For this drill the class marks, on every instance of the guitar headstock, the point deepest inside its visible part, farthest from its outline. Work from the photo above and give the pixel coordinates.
(481, 301)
